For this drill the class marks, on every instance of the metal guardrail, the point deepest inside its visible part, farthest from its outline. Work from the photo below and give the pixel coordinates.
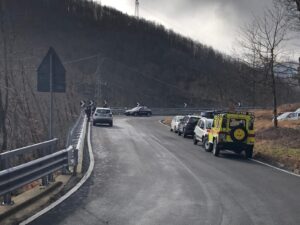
(47, 160)
(16, 177)
(75, 131)
(178, 111)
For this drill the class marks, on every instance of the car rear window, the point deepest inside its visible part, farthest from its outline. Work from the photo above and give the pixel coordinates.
(193, 120)
(237, 122)
(103, 111)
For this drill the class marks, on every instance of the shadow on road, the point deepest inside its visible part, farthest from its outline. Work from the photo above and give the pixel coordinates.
(233, 156)
(106, 126)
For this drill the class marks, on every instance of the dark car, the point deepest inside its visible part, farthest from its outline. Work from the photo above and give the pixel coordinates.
(139, 111)
(187, 126)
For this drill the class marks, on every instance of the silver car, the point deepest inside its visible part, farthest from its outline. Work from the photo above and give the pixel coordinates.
(103, 116)
(174, 124)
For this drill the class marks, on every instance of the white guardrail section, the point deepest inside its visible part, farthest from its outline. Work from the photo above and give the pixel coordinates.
(80, 145)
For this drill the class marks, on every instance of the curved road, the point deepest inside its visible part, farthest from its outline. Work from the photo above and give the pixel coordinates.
(146, 175)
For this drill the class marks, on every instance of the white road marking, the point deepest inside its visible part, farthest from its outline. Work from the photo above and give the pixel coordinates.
(276, 168)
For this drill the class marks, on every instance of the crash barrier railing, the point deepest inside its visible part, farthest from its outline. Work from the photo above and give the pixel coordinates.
(13, 178)
(178, 111)
(44, 160)
(75, 131)
(164, 111)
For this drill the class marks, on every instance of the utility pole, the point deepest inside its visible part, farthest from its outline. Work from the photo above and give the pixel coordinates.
(98, 90)
(298, 75)
(98, 84)
(137, 5)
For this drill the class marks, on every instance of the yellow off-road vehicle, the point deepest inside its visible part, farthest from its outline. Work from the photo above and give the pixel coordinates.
(232, 131)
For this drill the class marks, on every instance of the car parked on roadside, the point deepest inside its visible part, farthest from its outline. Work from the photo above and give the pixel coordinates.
(232, 131)
(139, 111)
(201, 131)
(102, 116)
(175, 122)
(288, 116)
(187, 126)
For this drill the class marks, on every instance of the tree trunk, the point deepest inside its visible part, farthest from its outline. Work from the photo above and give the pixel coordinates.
(4, 96)
(274, 93)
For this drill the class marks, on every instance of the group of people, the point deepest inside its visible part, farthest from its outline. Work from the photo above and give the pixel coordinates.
(91, 107)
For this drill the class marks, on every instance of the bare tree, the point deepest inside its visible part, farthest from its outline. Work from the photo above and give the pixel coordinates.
(262, 42)
(292, 8)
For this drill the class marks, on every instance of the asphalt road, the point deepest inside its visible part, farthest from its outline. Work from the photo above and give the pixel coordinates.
(146, 175)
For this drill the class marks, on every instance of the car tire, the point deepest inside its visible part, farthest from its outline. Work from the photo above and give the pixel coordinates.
(216, 149)
(207, 145)
(195, 141)
(249, 153)
(94, 124)
(184, 134)
(148, 114)
(179, 133)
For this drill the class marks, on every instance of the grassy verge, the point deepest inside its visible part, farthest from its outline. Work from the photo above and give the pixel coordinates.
(278, 146)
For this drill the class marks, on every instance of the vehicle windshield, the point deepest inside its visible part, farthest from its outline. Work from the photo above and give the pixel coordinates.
(284, 115)
(136, 108)
(103, 111)
(209, 124)
(193, 120)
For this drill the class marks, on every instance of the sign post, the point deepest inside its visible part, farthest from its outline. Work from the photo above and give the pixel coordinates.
(51, 78)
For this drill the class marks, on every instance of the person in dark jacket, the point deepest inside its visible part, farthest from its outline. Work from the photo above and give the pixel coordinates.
(88, 112)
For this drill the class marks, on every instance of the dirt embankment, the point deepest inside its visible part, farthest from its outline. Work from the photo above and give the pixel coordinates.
(279, 146)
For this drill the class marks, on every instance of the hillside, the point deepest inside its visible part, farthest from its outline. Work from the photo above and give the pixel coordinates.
(109, 55)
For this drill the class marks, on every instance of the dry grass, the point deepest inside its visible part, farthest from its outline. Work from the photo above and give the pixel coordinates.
(279, 146)
(167, 121)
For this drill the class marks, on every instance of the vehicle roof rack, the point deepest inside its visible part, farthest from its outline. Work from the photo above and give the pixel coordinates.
(236, 112)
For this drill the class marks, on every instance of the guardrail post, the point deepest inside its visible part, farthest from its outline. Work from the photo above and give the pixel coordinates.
(45, 179)
(7, 197)
(7, 200)
(50, 176)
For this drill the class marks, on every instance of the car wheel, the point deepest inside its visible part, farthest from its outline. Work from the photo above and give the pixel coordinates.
(249, 153)
(207, 145)
(184, 134)
(171, 129)
(111, 124)
(135, 114)
(94, 124)
(216, 150)
(195, 141)
(179, 133)
(148, 114)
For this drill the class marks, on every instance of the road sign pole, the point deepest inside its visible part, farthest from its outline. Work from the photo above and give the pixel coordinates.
(51, 98)
(51, 78)
(50, 177)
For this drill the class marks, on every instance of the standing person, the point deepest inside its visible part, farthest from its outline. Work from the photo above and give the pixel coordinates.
(88, 112)
(105, 104)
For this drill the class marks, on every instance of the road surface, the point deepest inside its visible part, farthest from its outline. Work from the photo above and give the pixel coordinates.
(146, 175)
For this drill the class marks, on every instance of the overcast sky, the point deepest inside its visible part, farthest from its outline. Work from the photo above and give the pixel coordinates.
(211, 22)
